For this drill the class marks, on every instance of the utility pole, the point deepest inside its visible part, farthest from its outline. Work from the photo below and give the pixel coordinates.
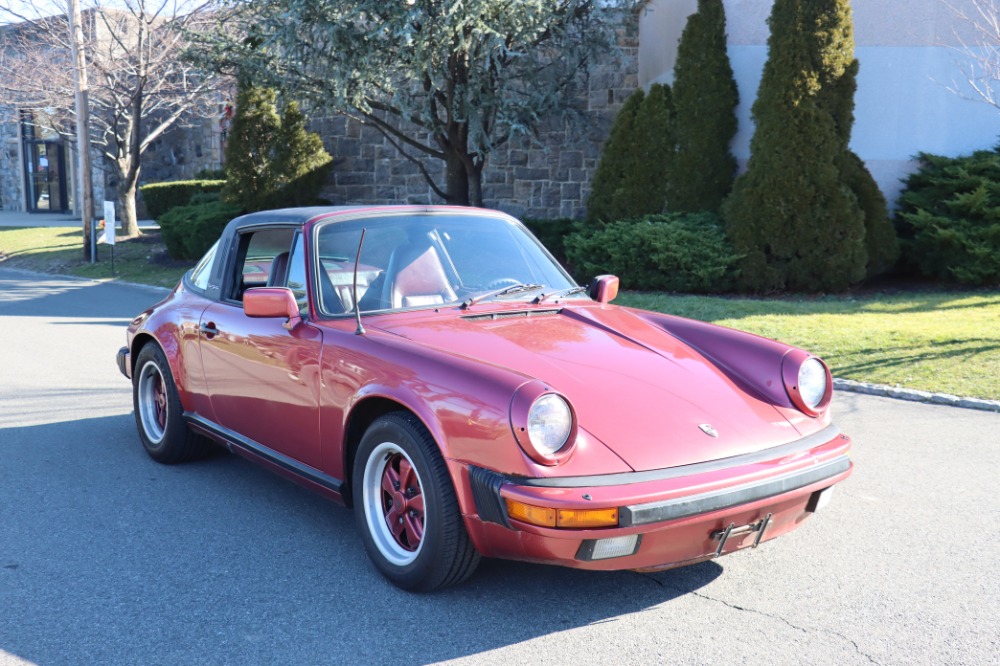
(82, 126)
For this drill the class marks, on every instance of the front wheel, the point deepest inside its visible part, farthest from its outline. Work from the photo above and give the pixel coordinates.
(158, 411)
(406, 508)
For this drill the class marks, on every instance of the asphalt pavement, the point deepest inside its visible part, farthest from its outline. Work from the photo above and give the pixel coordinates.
(107, 557)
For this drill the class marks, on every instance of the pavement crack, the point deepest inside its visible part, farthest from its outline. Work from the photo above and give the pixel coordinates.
(744, 609)
(805, 630)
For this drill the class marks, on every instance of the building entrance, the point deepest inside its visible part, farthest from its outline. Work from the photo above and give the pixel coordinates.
(45, 176)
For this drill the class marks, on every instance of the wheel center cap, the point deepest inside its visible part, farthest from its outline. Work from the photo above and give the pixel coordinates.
(398, 500)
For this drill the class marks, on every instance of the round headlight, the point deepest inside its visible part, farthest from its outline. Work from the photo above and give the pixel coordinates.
(550, 422)
(812, 382)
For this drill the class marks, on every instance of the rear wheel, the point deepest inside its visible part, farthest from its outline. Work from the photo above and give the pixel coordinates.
(406, 508)
(158, 411)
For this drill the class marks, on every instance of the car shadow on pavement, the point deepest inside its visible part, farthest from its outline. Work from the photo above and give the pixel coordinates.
(109, 557)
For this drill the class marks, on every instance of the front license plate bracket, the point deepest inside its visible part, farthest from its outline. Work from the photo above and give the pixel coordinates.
(732, 530)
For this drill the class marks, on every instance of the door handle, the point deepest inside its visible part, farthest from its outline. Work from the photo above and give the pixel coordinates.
(209, 329)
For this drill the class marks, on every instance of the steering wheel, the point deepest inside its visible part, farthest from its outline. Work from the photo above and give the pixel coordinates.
(500, 283)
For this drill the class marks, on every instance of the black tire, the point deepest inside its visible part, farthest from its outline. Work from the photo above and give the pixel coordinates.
(158, 411)
(430, 548)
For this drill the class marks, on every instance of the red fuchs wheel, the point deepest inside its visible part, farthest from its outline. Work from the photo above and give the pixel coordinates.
(406, 508)
(158, 411)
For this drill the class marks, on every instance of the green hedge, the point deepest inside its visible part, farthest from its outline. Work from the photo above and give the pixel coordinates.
(949, 218)
(686, 252)
(188, 231)
(161, 197)
(552, 234)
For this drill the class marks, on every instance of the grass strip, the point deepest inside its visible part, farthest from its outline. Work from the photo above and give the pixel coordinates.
(945, 342)
(59, 250)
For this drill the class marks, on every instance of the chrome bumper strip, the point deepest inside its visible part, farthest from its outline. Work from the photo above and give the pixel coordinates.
(682, 507)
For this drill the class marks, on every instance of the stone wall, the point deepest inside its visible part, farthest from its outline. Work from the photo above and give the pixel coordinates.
(546, 179)
(182, 151)
(11, 196)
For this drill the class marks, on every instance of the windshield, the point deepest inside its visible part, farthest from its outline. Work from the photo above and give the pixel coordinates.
(428, 260)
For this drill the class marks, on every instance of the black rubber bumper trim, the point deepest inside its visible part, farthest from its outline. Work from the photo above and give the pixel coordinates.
(121, 358)
(486, 493)
(656, 512)
(622, 478)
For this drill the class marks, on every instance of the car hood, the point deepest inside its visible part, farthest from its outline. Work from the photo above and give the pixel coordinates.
(646, 395)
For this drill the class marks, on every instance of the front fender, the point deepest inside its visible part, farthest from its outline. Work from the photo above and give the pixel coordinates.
(752, 361)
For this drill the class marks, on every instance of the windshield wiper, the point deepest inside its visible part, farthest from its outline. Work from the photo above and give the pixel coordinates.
(504, 291)
(558, 294)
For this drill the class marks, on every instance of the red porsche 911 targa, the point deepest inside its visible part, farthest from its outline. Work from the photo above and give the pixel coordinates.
(436, 369)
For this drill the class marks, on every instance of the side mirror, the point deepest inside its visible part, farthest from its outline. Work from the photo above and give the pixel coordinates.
(272, 302)
(603, 288)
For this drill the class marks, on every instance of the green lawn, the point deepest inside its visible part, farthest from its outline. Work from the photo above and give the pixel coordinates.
(945, 342)
(60, 250)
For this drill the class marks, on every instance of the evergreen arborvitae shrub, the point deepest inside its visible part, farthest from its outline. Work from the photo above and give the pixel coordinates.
(686, 252)
(656, 147)
(705, 97)
(949, 218)
(881, 243)
(792, 215)
(300, 163)
(618, 159)
(634, 171)
(272, 161)
(250, 147)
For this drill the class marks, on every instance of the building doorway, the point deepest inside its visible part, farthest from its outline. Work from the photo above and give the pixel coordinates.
(45, 175)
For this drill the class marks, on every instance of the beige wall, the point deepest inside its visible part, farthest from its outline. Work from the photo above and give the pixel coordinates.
(909, 62)
(927, 23)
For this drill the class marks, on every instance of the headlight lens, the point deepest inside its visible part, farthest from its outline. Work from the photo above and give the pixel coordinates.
(550, 422)
(812, 382)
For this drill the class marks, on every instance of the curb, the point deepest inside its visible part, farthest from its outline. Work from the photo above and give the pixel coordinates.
(914, 395)
(77, 278)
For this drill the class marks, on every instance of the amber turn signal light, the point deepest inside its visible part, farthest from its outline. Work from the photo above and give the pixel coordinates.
(564, 518)
(527, 513)
(587, 517)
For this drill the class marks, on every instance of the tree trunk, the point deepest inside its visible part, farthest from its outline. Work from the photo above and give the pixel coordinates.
(457, 180)
(476, 186)
(128, 183)
(126, 206)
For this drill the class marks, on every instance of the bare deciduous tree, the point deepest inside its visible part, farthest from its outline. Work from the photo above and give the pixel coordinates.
(140, 84)
(978, 40)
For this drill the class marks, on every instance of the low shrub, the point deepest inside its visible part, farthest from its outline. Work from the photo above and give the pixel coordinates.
(161, 197)
(188, 231)
(210, 174)
(552, 234)
(686, 252)
(949, 218)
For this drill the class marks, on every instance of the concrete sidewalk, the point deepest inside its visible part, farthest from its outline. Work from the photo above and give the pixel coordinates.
(11, 218)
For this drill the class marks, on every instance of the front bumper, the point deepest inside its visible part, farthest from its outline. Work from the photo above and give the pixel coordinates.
(124, 360)
(676, 516)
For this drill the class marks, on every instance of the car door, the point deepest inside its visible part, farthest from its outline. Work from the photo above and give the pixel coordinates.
(263, 378)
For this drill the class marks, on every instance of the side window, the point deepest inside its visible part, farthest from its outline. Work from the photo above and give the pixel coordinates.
(203, 270)
(297, 275)
(262, 260)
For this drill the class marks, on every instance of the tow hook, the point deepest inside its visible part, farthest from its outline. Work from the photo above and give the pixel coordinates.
(723, 535)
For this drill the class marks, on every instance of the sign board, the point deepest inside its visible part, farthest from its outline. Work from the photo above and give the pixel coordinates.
(109, 223)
